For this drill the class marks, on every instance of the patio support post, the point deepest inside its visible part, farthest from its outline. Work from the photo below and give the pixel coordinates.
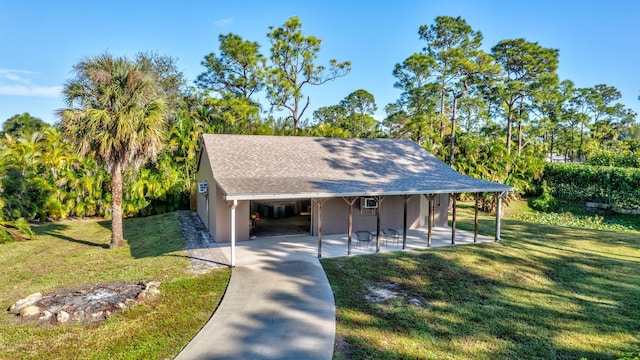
(234, 205)
(498, 213)
(404, 224)
(430, 216)
(319, 202)
(453, 220)
(475, 219)
(379, 201)
(311, 216)
(350, 201)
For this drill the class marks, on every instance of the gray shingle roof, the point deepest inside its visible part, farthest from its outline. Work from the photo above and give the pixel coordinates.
(259, 167)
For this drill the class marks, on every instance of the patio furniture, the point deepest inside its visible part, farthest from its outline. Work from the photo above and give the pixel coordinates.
(391, 234)
(363, 236)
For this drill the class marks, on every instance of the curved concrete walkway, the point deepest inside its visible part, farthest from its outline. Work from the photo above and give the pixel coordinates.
(274, 308)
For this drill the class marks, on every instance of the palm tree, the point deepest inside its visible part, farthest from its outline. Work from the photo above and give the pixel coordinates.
(115, 110)
(19, 228)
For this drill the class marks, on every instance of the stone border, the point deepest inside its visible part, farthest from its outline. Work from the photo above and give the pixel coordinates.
(83, 304)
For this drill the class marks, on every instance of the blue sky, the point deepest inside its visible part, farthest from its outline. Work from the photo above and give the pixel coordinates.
(599, 41)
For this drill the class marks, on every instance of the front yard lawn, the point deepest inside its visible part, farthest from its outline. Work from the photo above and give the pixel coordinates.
(71, 253)
(543, 292)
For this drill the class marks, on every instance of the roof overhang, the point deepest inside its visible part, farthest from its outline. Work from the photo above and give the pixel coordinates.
(319, 195)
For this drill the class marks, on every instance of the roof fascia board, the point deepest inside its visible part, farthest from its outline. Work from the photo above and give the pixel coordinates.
(200, 152)
(224, 193)
(332, 195)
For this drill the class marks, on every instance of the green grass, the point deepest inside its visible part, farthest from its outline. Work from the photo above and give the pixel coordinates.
(575, 216)
(544, 292)
(73, 253)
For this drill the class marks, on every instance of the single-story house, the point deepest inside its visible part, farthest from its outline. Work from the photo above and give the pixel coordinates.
(340, 185)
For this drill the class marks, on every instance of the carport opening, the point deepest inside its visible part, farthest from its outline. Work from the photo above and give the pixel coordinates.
(280, 217)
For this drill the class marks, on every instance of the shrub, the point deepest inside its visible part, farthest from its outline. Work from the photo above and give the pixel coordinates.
(631, 356)
(545, 202)
(15, 230)
(604, 157)
(577, 183)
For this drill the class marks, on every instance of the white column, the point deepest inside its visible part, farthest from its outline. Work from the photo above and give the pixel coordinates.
(453, 219)
(319, 202)
(233, 232)
(498, 211)
(404, 221)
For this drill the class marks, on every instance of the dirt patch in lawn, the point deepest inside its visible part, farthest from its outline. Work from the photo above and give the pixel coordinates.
(381, 292)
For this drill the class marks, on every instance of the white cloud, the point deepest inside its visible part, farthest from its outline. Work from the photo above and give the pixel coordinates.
(16, 78)
(19, 83)
(15, 71)
(223, 22)
(15, 75)
(29, 90)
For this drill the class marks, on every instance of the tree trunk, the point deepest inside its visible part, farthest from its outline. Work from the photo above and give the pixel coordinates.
(520, 126)
(116, 207)
(572, 146)
(520, 137)
(452, 145)
(551, 145)
(509, 122)
(454, 114)
(294, 116)
(581, 141)
(442, 106)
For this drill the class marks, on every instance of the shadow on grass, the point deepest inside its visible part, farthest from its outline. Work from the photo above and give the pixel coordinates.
(532, 296)
(153, 236)
(59, 231)
(203, 260)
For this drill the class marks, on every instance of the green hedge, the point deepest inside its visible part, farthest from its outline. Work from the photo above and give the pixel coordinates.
(614, 158)
(618, 187)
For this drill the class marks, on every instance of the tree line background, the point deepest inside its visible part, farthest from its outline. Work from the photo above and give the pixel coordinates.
(493, 115)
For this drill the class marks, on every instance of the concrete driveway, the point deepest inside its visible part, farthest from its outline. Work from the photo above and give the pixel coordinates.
(276, 307)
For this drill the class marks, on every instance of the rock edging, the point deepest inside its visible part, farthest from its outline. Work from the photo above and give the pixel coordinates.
(85, 304)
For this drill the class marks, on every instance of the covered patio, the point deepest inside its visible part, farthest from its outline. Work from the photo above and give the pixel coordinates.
(350, 185)
(305, 247)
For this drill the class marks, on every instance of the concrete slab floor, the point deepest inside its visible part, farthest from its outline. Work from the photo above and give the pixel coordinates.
(305, 247)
